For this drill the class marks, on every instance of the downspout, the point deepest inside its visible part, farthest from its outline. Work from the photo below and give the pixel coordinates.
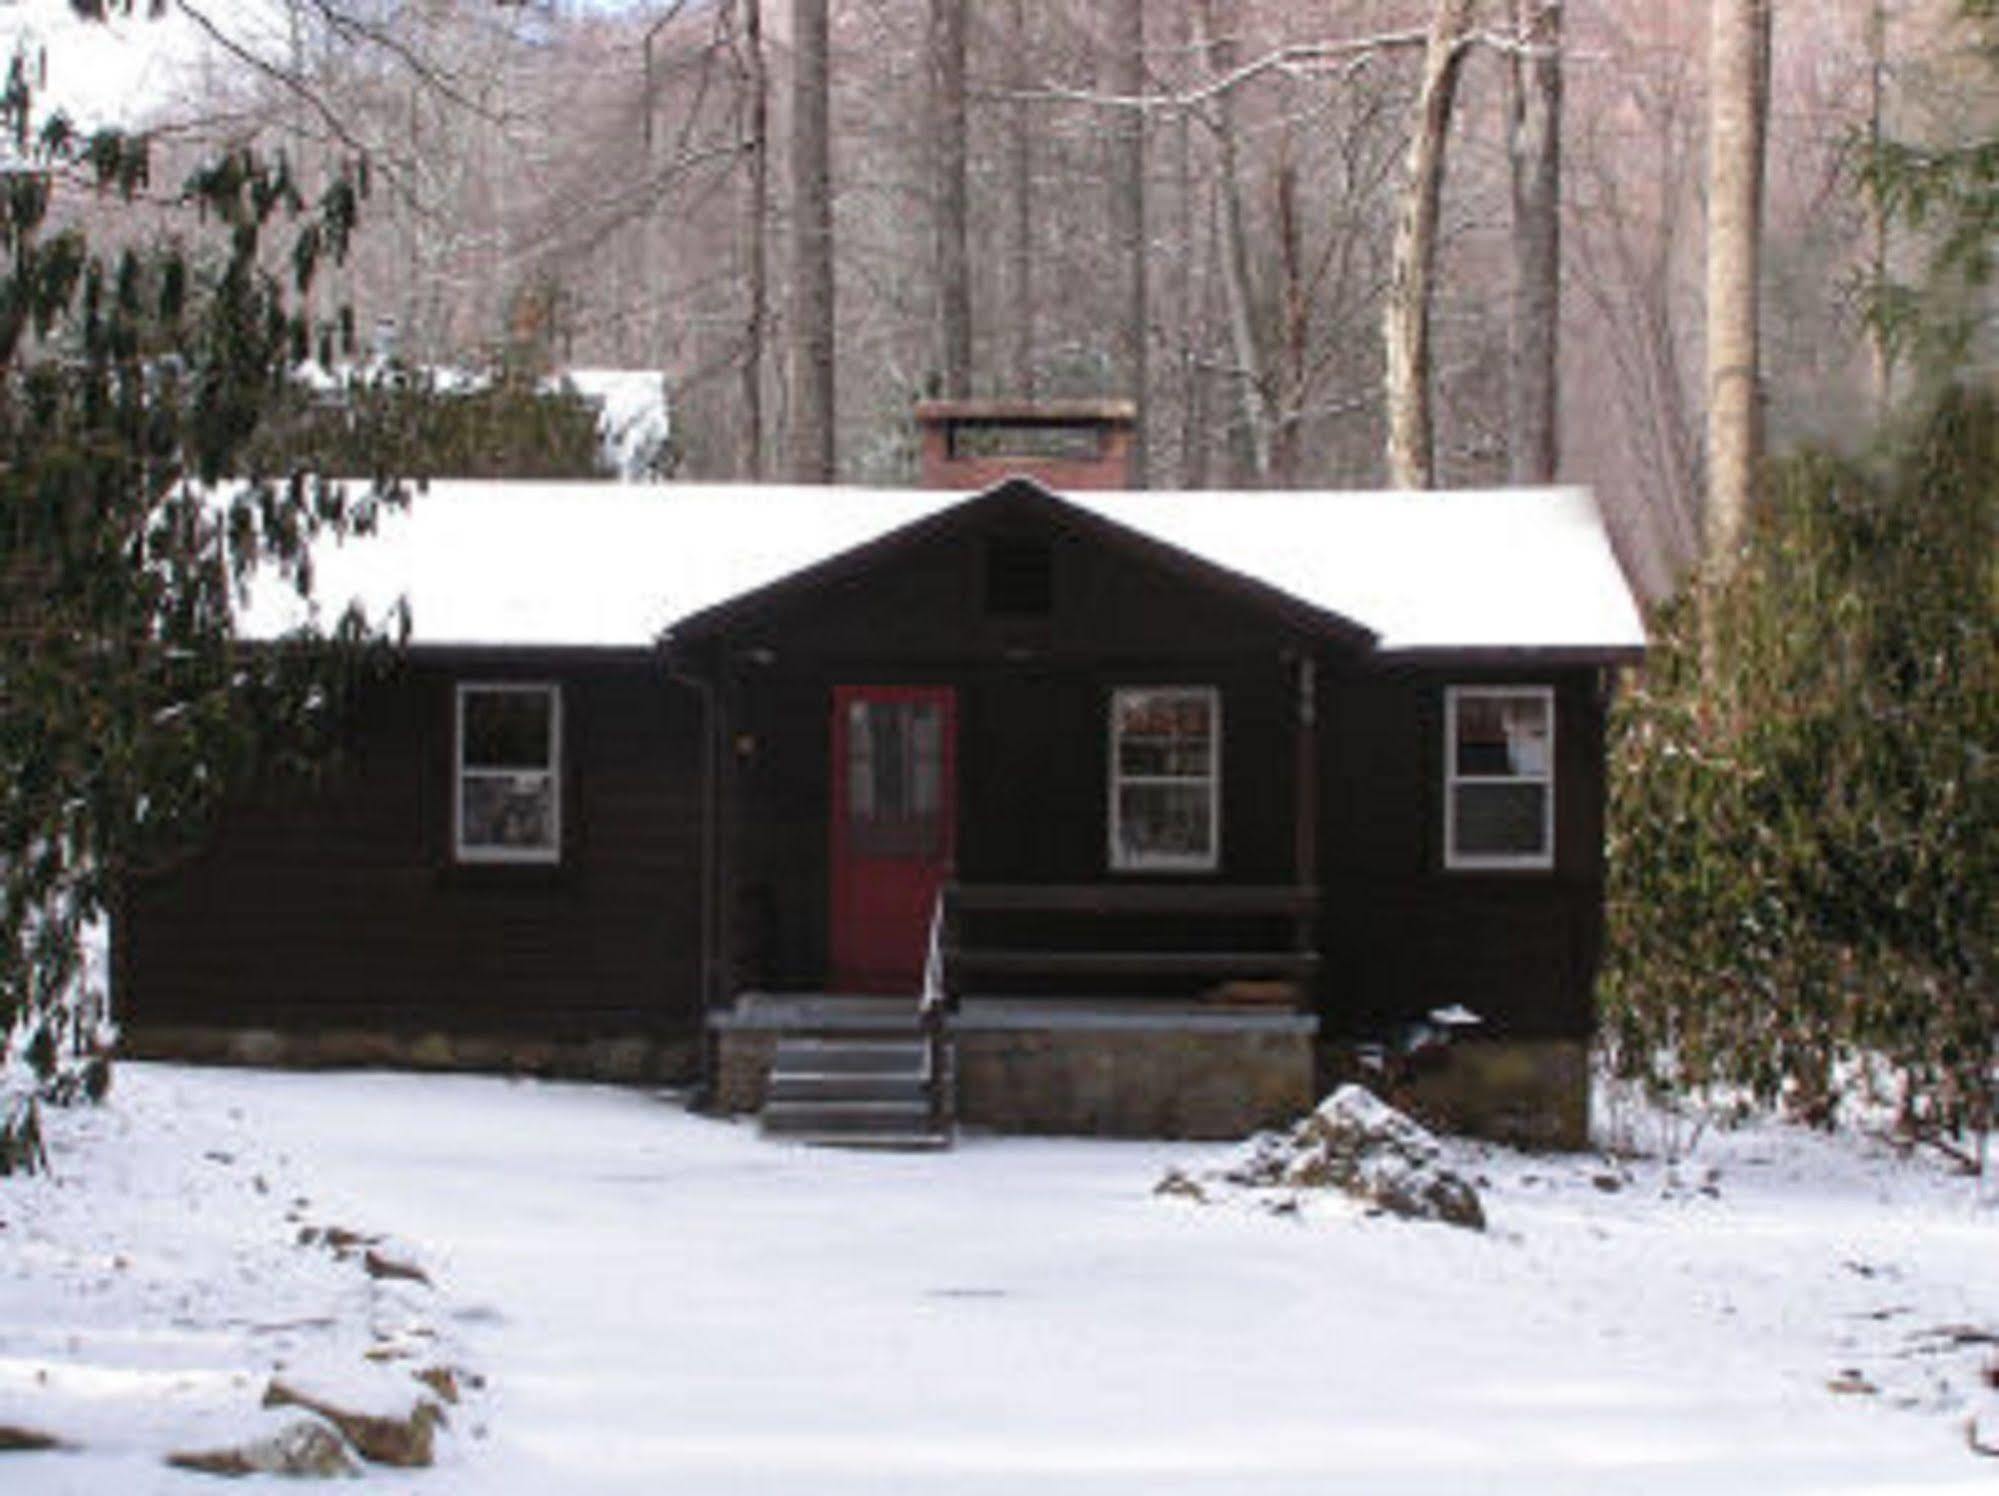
(710, 834)
(1305, 824)
(1308, 936)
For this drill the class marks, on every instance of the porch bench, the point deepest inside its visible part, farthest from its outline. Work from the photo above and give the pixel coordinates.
(1176, 919)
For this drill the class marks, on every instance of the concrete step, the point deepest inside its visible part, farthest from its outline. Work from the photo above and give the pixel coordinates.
(888, 1142)
(818, 1056)
(842, 1119)
(806, 1085)
(858, 1091)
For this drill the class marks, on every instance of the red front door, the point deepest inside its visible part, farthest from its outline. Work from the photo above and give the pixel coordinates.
(894, 830)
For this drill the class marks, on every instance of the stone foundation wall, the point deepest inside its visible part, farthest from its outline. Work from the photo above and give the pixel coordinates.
(742, 1071)
(626, 1061)
(1162, 1075)
(1133, 1083)
(1530, 1092)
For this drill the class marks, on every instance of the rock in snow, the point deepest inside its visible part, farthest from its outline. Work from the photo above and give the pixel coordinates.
(303, 1446)
(404, 1437)
(17, 1438)
(1358, 1143)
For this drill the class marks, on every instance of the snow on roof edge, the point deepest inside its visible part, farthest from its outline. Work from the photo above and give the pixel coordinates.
(596, 564)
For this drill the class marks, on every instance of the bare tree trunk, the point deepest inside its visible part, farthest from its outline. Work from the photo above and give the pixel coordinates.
(954, 263)
(809, 441)
(1127, 213)
(1020, 188)
(1189, 305)
(756, 214)
(1251, 382)
(1406, 315)
(1738, 96)
(1880, 353)
(1295, 337)
(1534, 153)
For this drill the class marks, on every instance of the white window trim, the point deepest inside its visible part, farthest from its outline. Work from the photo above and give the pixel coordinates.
(1541, 861)
(534, 855)
(1123, 861)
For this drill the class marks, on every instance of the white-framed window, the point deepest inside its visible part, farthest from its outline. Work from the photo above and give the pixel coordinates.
(1499, 777)
(508, 770)
(1166, 779)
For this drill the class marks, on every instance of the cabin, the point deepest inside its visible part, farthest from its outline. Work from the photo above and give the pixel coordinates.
(1019, 799)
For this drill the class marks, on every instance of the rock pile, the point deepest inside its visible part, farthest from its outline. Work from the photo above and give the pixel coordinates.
(1358, 1143)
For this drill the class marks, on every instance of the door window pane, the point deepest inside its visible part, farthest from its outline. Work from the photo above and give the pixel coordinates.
(895, 778)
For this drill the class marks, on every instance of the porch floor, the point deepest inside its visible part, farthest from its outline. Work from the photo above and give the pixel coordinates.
(833, 1012)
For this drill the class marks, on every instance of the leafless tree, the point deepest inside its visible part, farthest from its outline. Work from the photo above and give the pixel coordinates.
(756, 244)
(1411, 458)
(1127, 184)
(1534, 158)
(1019, 315)
(1738, 93)
(810, 432)
(949, 143)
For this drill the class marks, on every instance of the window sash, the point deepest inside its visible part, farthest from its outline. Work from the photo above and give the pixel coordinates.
(527, 794)
(1180, 766)
(1530, 767)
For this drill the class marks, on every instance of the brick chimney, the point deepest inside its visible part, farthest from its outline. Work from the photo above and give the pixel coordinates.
(1063, 444)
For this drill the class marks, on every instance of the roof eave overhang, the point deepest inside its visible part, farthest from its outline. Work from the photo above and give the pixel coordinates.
(543, 655)
(1551, 656)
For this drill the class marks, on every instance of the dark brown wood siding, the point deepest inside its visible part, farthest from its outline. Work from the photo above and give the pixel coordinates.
(1402, 934)
(340, 905)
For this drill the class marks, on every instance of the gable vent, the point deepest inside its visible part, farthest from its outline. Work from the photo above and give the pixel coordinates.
(1020, 577)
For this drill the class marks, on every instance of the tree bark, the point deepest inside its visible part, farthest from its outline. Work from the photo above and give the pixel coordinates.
(1880, 351)
(1534, 154)
(1738, 96)
(954, 264)
(1020, 186)
(1251, 381)
(809, 444)
(1294, 339)
(1127, 214)
(1189, 306)
(1406, 316)
(756, 215)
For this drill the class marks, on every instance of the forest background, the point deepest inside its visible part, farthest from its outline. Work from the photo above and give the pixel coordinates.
(564, 185)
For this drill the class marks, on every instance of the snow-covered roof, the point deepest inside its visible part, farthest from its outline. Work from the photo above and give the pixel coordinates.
(600, 564)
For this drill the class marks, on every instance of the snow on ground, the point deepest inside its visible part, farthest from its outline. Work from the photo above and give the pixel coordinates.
(666, 1302)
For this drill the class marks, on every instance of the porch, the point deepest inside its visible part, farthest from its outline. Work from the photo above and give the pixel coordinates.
(1107, 1051)
(1111, 1067)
